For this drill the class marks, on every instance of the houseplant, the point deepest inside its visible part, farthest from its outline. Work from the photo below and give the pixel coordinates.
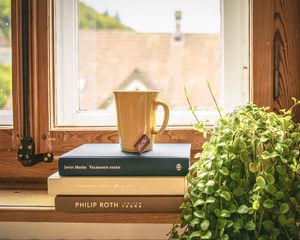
(246, 183)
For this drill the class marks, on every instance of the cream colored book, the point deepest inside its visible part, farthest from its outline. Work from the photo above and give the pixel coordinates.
(58, 185)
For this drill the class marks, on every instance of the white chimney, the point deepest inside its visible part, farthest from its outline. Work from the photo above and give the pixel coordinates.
(178, 35)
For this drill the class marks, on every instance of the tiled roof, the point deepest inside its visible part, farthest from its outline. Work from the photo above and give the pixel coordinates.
(108, 58)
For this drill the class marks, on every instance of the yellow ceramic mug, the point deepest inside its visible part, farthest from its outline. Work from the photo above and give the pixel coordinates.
(136, 113)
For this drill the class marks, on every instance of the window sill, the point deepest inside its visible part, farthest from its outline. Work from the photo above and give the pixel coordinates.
(38, 206)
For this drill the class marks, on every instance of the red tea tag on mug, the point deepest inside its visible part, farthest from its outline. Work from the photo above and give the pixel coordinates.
(142, 143)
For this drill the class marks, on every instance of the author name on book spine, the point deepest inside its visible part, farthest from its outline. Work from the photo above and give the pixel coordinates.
(92, 167)
(108, 204)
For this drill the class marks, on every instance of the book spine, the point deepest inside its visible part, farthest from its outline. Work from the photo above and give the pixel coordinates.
(116, 186)
(118, 204)
(123, 166)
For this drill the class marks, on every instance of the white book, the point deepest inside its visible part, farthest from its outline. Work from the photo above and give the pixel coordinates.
(94, 185)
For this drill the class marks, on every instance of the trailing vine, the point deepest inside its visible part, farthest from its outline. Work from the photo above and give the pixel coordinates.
(246, 183)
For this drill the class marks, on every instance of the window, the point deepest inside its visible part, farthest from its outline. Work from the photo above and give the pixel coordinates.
(59, 140)
(107, 45)
(5, 64)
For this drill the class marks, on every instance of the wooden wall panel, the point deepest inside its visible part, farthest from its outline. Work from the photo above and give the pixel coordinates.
(262, 48)
(269, 17)
(287, 24)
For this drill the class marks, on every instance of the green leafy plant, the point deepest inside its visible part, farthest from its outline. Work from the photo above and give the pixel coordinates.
(246, 183)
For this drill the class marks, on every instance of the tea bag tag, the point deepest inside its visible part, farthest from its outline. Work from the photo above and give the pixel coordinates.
(142, 143)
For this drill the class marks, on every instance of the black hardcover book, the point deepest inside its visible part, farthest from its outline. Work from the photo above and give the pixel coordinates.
(108, 160)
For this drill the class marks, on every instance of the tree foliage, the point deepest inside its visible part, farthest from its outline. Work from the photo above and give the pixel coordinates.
(5, 84)
(5, 19)
(5, 71)
(90, 19)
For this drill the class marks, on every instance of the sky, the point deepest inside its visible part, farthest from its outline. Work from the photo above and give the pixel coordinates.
(198, 16)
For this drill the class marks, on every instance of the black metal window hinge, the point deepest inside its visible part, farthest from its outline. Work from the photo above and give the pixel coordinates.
(26, 149)
(26, 153)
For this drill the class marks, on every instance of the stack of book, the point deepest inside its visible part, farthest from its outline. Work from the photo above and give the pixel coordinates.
(102, 178)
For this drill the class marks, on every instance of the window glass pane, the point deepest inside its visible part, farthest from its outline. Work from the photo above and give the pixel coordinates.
(5, 56)
(143, 44)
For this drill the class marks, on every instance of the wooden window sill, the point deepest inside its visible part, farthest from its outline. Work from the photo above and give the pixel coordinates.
(38, 206)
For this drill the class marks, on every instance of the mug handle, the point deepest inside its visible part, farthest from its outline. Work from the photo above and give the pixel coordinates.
(166, 117)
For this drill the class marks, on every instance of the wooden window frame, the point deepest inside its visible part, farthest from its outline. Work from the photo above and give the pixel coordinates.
(8, 135)
(48, 138)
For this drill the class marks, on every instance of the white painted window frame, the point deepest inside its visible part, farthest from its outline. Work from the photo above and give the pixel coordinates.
(6, 118)
(234, 68)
